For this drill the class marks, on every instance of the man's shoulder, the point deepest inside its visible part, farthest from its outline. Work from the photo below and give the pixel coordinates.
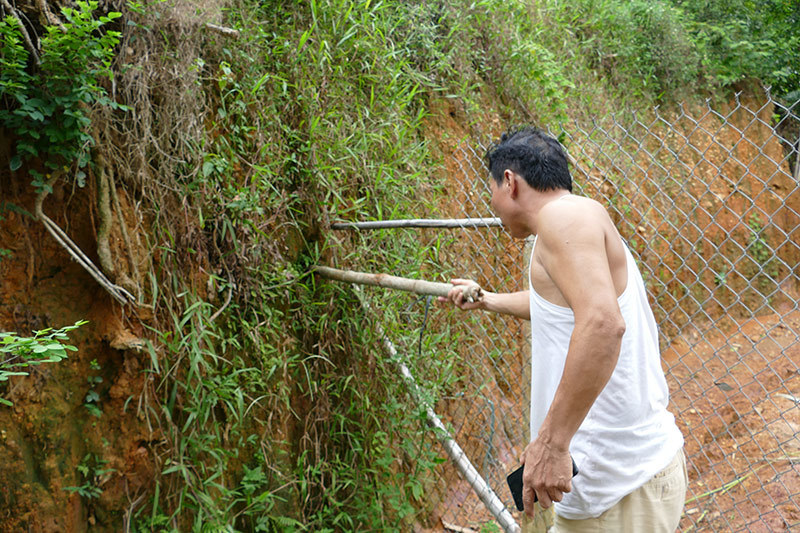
(572, 213)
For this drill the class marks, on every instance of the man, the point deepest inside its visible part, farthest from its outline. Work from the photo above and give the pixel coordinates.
(598, 393)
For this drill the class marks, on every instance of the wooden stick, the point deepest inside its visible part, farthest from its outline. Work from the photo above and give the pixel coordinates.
(486, 222)
(472, 293)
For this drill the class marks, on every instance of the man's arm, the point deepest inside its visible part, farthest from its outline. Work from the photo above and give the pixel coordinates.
(571, 248)
(510, 303)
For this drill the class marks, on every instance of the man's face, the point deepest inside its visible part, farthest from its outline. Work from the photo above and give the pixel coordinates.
(495, 193)
(505, 207)
(500, 201)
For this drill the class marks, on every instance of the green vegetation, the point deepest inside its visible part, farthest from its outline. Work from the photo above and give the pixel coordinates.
(92, 399)
(740, 38)
(45, 346)
(47, 107)
(270, 388)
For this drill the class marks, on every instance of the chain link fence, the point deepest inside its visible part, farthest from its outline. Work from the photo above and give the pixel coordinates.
(707, 198)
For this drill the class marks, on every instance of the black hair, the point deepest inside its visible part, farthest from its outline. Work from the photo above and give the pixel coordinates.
(534, 155)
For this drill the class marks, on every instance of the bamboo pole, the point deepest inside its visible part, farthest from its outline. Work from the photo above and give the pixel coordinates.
(486, 222)
(456, 453)
(472, 293)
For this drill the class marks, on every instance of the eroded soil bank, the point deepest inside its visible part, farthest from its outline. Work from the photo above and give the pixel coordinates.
(69, 464)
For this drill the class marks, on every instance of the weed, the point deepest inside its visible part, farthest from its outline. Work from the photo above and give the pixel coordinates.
(93, 473)
(92, 400)
(756, 245)
(721, 278)
(760, 250)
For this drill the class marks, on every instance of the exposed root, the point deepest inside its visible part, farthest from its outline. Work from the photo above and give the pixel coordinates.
(221, 309)
(49, 17)
(132, 284)
(104, 211)
(118, 293)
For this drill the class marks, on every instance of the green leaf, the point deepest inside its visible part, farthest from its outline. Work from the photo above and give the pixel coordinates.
(15, 163)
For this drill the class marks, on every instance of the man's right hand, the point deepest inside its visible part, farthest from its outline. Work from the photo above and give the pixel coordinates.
(457, 298)
(510, 303)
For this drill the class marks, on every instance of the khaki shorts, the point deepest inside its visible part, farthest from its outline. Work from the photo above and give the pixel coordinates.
(655, 507)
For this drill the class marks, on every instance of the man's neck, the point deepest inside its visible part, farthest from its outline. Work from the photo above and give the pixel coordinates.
(536, 201)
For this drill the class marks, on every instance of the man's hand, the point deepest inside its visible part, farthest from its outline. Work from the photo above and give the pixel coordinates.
(456, 295)
(548, 471)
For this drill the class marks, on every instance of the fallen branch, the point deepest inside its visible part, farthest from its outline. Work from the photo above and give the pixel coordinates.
(472, 293)
(457, 529)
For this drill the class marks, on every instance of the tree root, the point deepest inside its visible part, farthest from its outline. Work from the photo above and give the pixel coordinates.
(51, 19)
(133, 283)
(104, 211)
(118, 293)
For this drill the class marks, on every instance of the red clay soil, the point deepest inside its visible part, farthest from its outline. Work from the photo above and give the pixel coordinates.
(735, 395)
(48, 436)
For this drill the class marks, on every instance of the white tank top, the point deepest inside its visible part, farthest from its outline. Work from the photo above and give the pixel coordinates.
(628, 435)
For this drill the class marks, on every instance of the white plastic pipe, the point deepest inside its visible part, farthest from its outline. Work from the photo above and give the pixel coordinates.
(486, 222)
(457, 455)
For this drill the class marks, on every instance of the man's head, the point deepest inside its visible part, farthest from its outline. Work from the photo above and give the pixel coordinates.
(530, 153)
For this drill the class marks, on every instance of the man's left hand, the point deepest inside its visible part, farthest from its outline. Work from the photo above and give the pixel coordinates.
(548, 471)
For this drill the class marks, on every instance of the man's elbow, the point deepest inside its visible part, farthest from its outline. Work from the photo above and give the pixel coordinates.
(609, 325)
(618, 328)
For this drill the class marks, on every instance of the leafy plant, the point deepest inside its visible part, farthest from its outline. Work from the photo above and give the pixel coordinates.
(721, 277)
(739, 39)
(756, 245)
(47, 107)
(19, 353)
(761, 252)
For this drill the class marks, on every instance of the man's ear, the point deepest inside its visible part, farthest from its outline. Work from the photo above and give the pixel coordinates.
(511, 179)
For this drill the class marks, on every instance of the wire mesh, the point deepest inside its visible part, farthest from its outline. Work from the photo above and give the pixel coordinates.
(707, 198)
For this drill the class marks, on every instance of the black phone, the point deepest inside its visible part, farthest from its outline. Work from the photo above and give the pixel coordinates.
(514, 481)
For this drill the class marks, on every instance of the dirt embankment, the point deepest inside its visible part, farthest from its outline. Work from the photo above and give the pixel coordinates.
(64, 468)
